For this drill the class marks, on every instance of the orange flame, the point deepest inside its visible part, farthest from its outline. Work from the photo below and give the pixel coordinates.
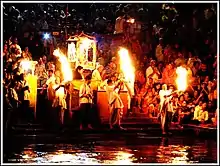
(181, 80)
(65, 66)
(126, 66)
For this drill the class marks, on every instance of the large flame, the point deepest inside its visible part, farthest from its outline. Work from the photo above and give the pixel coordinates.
(126, 66)
(25, 65)
(65, 66)
(181, 80)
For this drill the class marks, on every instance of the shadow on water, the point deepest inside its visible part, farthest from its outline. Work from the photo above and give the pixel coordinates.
(114, 150)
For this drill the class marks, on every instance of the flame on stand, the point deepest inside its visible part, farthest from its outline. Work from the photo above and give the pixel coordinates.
(126, 66)
(65, 66)
(25, 65)
(181, 80)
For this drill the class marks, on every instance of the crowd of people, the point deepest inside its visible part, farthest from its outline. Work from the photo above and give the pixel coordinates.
(156, 51)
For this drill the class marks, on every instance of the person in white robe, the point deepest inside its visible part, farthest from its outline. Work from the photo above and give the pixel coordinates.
(59, 101)
(115, 104)
(166, 108)
(85, 101)
(96, 76)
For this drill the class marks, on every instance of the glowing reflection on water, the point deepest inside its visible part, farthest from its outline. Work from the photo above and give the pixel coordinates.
(118, 153)
(170, 154)
(173, 154)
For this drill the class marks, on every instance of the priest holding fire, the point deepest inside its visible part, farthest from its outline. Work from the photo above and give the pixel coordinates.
(166, 107)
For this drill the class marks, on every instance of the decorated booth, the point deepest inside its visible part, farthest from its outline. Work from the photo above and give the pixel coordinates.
(82, 51)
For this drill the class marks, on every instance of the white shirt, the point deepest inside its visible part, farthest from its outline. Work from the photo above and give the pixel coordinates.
(163, 93)
(85, 89)
(114, 99)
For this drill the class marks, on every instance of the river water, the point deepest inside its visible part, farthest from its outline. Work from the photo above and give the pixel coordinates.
(106, 149)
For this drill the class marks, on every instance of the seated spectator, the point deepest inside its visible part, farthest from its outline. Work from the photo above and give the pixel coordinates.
(152, 72)
(198, 108)
(149, 84)
(184, 114)
(202, 115)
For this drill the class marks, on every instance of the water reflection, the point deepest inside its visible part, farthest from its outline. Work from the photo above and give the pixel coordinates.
(94, 153)
(175, 154)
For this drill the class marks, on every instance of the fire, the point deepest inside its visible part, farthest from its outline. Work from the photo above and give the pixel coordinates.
(25, 65)
(181, 80)
(131, 20)
(126, 66)
(65, 66)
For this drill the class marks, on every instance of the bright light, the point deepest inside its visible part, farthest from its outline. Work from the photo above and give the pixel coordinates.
(46, 36)
(127, 67)
(181, 80)
(25, 65)
(123, 158)
(65, 65)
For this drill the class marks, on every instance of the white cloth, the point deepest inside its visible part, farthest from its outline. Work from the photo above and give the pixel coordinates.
(163, 93)
(85, 89)
(114, 99)
(59, 99)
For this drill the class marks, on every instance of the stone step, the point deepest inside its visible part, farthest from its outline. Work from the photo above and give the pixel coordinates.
(27, 129)
(143, 120)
